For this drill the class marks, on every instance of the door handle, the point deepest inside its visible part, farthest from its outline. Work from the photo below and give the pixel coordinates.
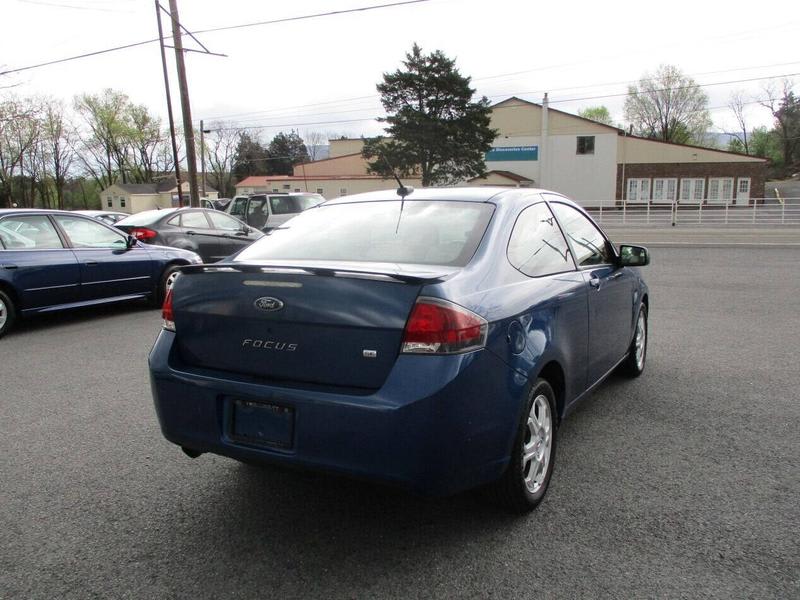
(595, 282)
(10, 266)
(616, 275)
(190, 233)
(91, 263)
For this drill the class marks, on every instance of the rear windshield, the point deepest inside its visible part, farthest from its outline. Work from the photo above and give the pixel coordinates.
(414, 231)
(147, 217)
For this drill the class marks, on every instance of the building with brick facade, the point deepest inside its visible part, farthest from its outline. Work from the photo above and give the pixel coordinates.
(540, 146)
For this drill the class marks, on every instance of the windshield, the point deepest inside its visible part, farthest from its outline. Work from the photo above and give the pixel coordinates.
(414, 231)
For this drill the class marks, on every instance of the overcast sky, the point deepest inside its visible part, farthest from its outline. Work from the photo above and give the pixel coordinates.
(320, 74)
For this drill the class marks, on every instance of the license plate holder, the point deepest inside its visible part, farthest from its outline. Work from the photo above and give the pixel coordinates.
(262, 424)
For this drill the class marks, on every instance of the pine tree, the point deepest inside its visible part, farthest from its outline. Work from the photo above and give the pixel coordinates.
(437, 131)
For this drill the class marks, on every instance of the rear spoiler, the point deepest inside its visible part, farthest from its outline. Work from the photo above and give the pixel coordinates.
(378, 274)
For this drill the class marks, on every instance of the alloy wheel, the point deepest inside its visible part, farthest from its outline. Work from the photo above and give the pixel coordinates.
(640, 342)
(3, 313)
(538, 444)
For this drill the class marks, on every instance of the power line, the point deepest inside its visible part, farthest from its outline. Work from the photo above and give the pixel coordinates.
(674, 89)
(376, 96)
(301, 124)
(213, 29)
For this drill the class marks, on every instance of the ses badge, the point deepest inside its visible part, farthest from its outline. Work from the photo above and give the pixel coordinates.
(268, 304)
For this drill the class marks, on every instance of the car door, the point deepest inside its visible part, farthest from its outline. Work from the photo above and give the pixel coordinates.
(233, 234)
(610, 290)
(109, 267)
(194, 225)
(35, 260)
(557, 312)
(257, 213)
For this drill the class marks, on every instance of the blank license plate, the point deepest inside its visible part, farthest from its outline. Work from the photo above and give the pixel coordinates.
(262, 424)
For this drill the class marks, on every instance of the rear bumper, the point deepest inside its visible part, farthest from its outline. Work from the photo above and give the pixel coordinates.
(437, 426)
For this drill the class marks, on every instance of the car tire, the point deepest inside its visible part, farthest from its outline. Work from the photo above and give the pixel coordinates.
(634, 364)
(166, 281)
(527, 477)
(8, 313)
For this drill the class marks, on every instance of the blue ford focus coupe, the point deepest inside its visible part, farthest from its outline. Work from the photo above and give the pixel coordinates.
(432, 339)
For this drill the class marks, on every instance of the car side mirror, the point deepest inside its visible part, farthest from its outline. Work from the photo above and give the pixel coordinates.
(633, 256)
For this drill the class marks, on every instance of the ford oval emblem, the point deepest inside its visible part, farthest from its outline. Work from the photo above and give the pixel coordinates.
(268, 304)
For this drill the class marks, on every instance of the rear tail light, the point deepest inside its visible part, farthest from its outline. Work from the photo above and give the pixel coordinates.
(167, 314)
(143, 233)
(441, 327)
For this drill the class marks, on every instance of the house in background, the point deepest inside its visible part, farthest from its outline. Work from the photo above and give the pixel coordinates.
(136, 197)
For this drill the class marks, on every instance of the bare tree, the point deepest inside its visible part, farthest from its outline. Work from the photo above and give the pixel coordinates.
(19, 130)
(785, 108)
(737, 103)
(313, 141)
(103, 144)
(58, 141)
(221, 144)
(668, 106)
(147, 140)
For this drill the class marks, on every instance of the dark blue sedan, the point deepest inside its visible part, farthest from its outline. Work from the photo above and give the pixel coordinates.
(53, 260)
(434, 341)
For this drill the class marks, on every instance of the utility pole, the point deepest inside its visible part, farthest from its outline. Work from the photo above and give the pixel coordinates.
(188, 130)
(203, 130)
(175, 156)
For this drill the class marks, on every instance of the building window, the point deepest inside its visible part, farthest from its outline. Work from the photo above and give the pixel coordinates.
(122, 202)
(638, 190)
(110, 201)
(585, 144)
(319, 191)
(665, 190)
(720, 190)
(275, 190)
(287, 186)
(692, 189)
(343, 192)
(296, 189)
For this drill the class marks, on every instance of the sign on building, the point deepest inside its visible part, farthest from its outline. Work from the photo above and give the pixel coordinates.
(506, 153)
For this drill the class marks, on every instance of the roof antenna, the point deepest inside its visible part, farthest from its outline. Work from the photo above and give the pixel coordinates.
(402, 190)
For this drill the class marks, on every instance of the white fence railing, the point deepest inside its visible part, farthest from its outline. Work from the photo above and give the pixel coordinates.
(761, 212)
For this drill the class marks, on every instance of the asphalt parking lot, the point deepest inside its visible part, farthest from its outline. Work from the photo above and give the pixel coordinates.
(682, 483)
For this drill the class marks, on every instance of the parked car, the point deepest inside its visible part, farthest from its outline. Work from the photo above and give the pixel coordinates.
(106, 216)
(434, 341)
(53, 260)
(268, 211)
(210, 233)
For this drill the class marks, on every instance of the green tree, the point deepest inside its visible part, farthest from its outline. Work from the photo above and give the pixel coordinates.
(285, 151)
(250, 157)
(597, 113)
(785, 108)
(668, 106)
(436, 129)
(766, 144)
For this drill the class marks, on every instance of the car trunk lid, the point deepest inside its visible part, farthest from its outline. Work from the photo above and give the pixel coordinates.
(296, 321)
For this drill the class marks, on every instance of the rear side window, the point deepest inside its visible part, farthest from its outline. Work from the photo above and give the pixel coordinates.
(414, 231)
(223, 221)
(31, 232)
(588, 243)
(536, 246)
(281, 205)
(194, 220)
